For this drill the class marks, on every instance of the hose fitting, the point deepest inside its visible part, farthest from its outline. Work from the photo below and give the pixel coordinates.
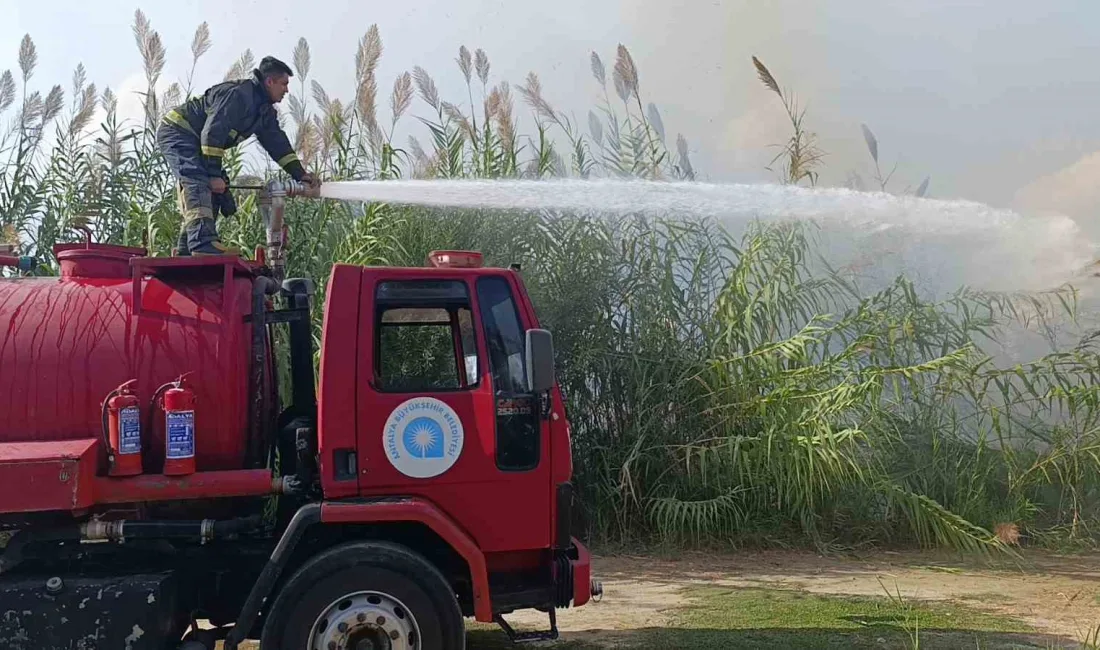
(23, 264)
(291, 189)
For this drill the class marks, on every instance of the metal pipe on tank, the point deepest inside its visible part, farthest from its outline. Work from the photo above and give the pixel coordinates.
(273, 210)
(299, 295)
(262, 287)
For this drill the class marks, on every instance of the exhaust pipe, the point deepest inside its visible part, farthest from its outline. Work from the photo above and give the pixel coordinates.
(596, 588)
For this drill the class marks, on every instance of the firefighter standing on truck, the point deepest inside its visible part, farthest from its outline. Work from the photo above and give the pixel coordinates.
(195, 136)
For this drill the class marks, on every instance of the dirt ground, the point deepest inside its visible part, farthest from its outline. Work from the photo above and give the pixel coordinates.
(1058, 595)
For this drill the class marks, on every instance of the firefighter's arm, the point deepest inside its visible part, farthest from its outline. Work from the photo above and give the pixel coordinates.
(224, 114)
(277, 145)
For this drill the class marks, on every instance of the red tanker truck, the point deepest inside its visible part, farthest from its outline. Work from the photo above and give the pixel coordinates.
(167, 457)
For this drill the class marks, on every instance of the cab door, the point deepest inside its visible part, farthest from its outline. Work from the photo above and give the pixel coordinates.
(443, 411)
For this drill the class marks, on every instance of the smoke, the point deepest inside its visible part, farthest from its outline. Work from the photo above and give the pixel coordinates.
(946, 87)
(1073, 190)
(695, 61)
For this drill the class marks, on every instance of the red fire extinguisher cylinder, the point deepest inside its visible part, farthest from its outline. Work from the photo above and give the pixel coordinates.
(179, 438)
(124, 431)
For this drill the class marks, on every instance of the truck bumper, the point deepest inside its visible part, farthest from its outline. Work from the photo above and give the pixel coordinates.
(574, 583)
(583, 585)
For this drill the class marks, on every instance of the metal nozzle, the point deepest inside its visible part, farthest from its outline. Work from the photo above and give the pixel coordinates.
(292, 189)
(282, 188)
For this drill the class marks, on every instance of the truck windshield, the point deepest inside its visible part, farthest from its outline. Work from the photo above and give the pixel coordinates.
(504, 335)
(517, 420)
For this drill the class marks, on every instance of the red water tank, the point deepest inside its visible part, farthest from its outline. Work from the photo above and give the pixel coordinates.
(66, 342)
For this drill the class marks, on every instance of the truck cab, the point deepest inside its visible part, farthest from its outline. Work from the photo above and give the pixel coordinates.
(437, 386)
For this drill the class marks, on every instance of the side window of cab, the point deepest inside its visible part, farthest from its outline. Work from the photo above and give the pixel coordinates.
(424, 337)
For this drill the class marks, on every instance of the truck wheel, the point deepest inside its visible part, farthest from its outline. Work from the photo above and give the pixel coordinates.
(365, 596)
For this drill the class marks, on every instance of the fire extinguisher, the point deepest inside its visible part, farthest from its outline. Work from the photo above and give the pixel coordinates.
(122, 429)
(178, 405)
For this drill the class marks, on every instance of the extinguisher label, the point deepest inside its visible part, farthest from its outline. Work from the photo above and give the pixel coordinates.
(181, 434)
(129, 431)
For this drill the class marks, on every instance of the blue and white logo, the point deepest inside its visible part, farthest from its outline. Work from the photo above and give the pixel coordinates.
(423, 437)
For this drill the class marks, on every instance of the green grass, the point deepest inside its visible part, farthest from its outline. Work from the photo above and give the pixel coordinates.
(722, 618)
(757, 618)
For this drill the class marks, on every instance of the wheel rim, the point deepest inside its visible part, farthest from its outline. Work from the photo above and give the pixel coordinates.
(365, 620)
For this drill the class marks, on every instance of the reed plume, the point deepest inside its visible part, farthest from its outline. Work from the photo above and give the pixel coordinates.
(242, 67)
(402, 95)
(801, 150)
(595, 128)
(626, 71)
(53, 104)
(368, 54)
(7, 90)
(84, 109)
(455, 113)
(481, 63)
(426, 86)
(655, 120)
(321, 97)
(505, 123)
(28, 57)
(532, 93)
(366, 102)
(200, 42)
(301, 58)
(465, 62)
(297, 109)
(598, 70)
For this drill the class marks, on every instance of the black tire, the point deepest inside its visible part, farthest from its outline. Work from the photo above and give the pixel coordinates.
(380, 566)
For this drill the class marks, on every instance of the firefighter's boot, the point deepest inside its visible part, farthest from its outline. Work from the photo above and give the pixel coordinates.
(200, 237)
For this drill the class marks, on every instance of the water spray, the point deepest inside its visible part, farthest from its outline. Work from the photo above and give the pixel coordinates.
(947, 243)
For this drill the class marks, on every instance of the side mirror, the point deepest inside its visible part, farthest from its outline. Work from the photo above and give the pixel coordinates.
(540, 361)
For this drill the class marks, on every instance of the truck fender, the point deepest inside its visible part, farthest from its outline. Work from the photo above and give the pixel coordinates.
(363, 511)
(306, 516)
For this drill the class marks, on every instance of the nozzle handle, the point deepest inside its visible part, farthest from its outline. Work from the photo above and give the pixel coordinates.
(24, 263)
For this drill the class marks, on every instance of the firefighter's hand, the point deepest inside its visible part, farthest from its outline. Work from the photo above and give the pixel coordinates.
(217, 185)
(311, 180)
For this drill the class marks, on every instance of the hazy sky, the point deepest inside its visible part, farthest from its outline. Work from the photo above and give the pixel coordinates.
(996, 99)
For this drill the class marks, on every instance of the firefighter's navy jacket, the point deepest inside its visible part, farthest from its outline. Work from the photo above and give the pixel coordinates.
(228, 114)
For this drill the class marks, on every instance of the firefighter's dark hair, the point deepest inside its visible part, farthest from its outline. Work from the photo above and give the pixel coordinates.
(270, 66)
